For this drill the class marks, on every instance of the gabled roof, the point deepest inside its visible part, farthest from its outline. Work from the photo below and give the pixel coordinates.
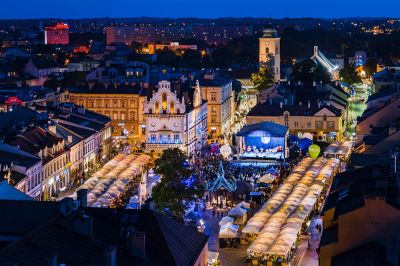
(267, 109)
(272, 128)
(220, 182)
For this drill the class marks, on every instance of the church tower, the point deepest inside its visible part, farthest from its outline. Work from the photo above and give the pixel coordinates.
(269, 53)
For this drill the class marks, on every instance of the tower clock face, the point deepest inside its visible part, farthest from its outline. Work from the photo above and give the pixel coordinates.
(153, 124)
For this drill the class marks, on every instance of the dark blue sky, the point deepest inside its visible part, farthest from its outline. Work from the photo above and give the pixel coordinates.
(198, 8)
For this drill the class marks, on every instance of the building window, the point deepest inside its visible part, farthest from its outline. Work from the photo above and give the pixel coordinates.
(150, 111)
(213, 109)
(157, 107)
(153, 138)
(122, 116)
(122, 104)
(286, 119)
(115, 117)
(213, 119)
(296, 124)
(318, 124)
(176, 139)
(115, 104)
(171, 107)
(331, 124)
(164, 102)
(213, 97)
(324, 117)
(308, 124)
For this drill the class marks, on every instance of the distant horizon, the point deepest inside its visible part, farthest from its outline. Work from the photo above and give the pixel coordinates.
(206, 9)
(200, 18)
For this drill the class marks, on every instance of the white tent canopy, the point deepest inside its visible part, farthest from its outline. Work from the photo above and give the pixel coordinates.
(267, 178)
(228, 230)
(226, 220)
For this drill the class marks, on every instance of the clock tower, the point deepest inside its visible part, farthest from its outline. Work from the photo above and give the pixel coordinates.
(269, 53)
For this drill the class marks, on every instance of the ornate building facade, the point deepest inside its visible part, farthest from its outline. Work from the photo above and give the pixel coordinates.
(175, 121)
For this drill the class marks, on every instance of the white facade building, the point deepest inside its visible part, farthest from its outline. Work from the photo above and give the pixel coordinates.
(172, 122)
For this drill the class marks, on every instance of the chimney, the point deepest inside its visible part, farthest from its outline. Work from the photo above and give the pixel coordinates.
(314, 83)
(309, 104)
(270, 101)
(300, 103)
(69, 138)
(319, 104)
(82, 197)
(285, 101)
(111, 256)
(299, 82)
(281, 105)
(289, 82)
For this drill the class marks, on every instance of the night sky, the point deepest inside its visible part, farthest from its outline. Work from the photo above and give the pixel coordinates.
(198, 8)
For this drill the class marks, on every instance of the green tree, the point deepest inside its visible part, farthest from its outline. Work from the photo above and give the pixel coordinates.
(176, 183)
(348, 74)
(308, 70)
(263, 79)
(370, 66)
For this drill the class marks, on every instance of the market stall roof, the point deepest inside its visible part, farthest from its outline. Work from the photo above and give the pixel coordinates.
(228, 231)
(237, 212)
(226, 220)
(267, 178)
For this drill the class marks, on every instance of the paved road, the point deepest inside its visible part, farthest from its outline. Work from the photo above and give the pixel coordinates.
(357, 106)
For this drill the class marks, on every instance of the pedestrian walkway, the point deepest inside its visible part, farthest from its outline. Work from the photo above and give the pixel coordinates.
(310, 255)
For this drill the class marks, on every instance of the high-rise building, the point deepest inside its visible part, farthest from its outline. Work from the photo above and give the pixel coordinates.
(269, 53)
(57, 34)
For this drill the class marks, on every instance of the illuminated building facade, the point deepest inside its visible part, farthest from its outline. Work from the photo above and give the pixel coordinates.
(58, 34)
(269, 53)
(124, 104)
(221, 104)
(173, 121)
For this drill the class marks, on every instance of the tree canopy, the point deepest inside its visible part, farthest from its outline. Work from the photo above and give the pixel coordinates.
(263, 79)
(348, 74)
(308, 70)
(176, 185)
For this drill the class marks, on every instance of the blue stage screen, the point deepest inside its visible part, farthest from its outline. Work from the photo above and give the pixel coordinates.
(261, 144)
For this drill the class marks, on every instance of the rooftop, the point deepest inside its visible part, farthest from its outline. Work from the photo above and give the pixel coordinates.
(272, 128)
(167, 242)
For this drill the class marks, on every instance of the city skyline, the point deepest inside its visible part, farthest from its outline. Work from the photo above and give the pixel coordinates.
(75, 9)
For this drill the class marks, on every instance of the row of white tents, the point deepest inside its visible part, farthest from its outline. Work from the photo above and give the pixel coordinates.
(278, 223)
(339, 149)
(229, 225)
(106, 184)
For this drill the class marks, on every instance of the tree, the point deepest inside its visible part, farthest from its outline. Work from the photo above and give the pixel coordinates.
(370, 67)
(263, 79)
(308, 70)
(348, 74)
(177, 184)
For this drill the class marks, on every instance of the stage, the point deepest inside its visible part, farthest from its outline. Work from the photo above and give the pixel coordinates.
(263, 141)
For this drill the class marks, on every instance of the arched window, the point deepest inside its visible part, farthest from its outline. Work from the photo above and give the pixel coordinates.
(157, 107)
(178, 111)
(150, 111)
(267, 50)
(164, 102)
(172, 107)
